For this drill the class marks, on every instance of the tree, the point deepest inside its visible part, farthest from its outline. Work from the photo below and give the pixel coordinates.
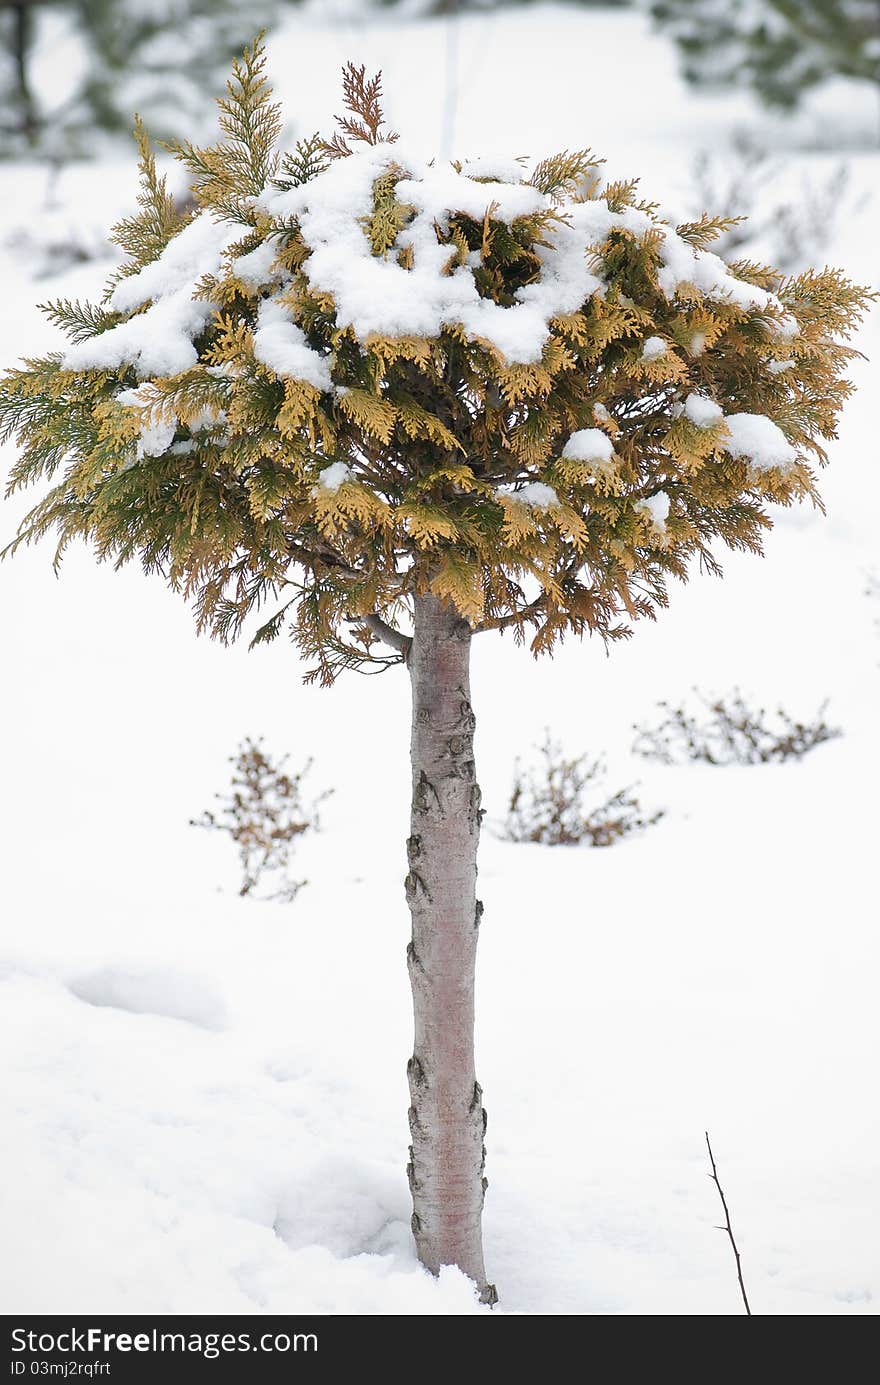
(477, 395)
(161, 57)
(780, 48)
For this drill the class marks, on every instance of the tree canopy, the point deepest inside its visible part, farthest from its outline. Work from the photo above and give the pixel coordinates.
(347, 374)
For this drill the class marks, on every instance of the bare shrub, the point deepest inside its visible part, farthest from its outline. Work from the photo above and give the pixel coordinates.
(265, 813)
(549, 803)
(729, 732)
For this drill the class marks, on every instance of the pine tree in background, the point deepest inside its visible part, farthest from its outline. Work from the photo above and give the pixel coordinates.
(467, 397)
(162, 58)
(780, 48)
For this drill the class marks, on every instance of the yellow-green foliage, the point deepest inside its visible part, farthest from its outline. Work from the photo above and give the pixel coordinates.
(438, 434)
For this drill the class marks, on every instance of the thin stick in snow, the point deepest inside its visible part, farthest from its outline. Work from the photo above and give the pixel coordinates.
(727, 1227)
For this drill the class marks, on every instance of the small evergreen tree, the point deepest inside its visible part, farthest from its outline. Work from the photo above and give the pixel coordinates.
(479, 396)
(780, 48)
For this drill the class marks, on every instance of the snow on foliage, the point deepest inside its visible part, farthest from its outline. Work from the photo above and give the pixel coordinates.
(588, 445)
(703, 412)
(656, 507)
(380, 296)
(334, 476)
(654, 348)
(159, 341)
(684, 266)
(759, 440)
(537, 496)
(257, 267)
(282, 346)
(377, 295)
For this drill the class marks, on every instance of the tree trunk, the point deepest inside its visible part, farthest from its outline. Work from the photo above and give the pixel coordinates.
(447, 1120)
(21, 42)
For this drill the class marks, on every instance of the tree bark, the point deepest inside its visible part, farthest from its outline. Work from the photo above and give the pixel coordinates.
(447, 1119)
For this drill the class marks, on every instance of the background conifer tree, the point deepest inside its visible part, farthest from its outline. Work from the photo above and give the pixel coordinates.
(780, 48)
(163, 58)
(411, 404)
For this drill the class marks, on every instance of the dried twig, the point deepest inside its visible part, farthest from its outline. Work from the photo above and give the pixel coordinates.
(265, 813)
(727, 1227)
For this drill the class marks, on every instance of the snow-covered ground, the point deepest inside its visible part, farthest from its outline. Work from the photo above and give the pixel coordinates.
(197, 1123)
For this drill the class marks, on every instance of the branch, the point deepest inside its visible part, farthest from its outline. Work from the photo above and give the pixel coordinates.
(383, 631)
(727, 1227)
(528, 613)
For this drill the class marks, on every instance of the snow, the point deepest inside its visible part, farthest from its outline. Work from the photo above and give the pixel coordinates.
(753, 437)
(257, 267)
(496, 170)
(164, 991)
(156, 438)
(702, 412)
(159, 341)
(139, 398)
(206, 420)
(589, 445)
(281, 344)
(536, 495)
(334, 476)
(683, 265)
(205, 1099)
(157, 429)
(759, 440)
(657, 509)
(195, 251)
(786, 327)
(653, 349)
(437, 191)
(156, 434)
